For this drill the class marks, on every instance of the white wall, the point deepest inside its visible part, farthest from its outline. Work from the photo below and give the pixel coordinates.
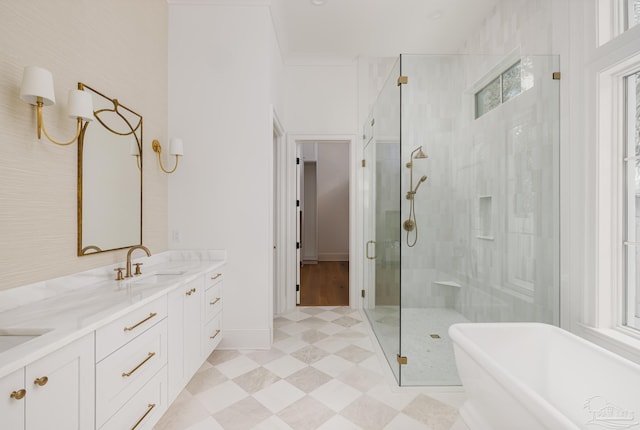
(333, 201)
(322, 98)
(223, 76)
(117, 47)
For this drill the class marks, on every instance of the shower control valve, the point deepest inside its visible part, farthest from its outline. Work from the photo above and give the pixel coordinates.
(409, 225)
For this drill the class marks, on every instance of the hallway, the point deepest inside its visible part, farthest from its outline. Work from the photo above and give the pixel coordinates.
(325, 284)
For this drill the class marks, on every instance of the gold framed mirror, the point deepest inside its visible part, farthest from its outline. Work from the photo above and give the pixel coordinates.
(109, 177)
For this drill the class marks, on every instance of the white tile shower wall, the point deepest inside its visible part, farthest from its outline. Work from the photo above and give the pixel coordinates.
(507, 155)
(428, 120)
(510, 154)
(464, 160)
(514, 24)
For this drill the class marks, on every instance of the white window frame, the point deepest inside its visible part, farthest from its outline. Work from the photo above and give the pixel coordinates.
(613, 19)
(630, 318)
(607, 321)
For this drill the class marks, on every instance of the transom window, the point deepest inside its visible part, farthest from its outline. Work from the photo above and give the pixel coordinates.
(503, 88)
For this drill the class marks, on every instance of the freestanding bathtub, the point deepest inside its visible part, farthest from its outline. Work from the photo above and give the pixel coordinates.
(530, 376)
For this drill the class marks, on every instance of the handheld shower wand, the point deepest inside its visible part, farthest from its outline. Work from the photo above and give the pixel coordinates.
(411, 224)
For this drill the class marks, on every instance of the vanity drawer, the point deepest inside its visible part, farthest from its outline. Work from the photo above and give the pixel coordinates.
(125, 371)
(213, 301)
(214, 276)
(114, 335)
(212, 335)
(144, 409)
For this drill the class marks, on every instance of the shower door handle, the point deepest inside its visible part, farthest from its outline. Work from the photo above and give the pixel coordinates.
(374, 249)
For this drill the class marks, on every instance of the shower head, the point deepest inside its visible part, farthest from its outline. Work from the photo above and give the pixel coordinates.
(421, 180)
(420, 154)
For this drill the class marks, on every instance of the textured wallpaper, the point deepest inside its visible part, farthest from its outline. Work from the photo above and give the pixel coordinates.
(118, 47)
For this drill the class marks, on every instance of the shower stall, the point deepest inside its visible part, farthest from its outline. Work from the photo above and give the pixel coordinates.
(461, 203)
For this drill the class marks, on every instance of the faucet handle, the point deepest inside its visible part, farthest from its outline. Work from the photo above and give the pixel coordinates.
(119, 276)
(137, 272)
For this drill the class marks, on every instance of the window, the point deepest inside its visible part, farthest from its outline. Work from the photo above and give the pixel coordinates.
(500, 90)
(632, 13)
(632, 165)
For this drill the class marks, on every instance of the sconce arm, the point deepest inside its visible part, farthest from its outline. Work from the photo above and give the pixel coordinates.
(42, 128)
(157, 148)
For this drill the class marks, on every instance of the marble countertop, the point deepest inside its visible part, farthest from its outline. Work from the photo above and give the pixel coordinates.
(46, 316)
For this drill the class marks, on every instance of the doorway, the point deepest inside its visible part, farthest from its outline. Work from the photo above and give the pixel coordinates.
(288, 197)
(323, 205)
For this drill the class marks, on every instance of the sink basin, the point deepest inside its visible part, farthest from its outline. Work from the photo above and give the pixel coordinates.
(10, 338)
(158, 277)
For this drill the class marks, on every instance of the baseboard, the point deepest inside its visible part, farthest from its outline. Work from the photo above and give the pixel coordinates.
(246, 339)
(338, 256)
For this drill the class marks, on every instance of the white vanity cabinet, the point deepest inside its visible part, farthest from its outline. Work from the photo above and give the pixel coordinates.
(120, 370)
(212, 312)
(185, 327)
(131, 363)
(54, 392)
(12, 400)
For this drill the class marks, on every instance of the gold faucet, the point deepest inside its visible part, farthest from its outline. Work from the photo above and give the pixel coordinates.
(133, 248)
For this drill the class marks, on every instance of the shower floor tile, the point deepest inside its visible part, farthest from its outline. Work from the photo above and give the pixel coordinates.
(430, 360)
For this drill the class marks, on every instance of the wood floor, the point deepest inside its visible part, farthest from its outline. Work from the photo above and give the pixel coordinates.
(325, 284)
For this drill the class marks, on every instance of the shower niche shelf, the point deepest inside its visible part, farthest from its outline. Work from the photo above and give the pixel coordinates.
(448, 284)
(485, 224)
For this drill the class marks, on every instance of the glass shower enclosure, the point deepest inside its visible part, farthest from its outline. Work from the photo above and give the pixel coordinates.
(461, 204)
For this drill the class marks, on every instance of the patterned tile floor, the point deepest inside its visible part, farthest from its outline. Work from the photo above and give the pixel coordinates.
(322, 372)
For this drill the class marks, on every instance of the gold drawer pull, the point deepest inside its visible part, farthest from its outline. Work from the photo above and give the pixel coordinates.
(214, 336)
(151, 315)
(18, 395)
(127, 374)
(215, 301)
(41, 381)
(151, 406)
(191, 291)
(213, 278)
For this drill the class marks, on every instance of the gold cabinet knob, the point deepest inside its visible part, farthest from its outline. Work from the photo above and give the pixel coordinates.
(213, 278)
(18, 395)
(191, 291)
(42, 381)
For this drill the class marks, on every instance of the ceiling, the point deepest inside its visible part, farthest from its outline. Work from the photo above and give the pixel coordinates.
(348, 28)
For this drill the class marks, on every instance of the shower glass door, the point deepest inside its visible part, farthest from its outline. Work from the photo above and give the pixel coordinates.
(382, 220)
(484, 241)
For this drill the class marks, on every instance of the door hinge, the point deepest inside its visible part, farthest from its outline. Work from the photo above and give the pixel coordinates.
(297, 245)
(297, 287)
(556, 76)
(362, 293)
(297, 160)
(402, 360)
(297, 203)
(364, 163)
(403, 80)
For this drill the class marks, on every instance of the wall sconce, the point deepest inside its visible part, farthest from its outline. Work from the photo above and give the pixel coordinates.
(176, 148)
(37, 89)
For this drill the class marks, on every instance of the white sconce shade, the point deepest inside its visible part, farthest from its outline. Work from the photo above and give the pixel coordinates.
(176, 147)
(37, 82)
(80, 105)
